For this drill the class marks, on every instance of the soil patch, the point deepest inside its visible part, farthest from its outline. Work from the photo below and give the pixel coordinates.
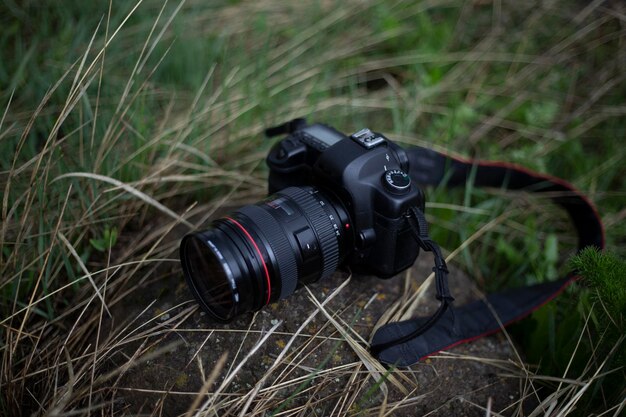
(320, 374)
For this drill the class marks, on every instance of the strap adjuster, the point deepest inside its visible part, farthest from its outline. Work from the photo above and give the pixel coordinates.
(286, 128)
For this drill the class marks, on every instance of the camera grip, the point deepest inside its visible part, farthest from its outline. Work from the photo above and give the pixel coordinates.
(395, 247)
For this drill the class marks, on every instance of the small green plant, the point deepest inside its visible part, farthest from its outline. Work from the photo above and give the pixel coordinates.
(606, 274)
(106, 242)
(583, 332)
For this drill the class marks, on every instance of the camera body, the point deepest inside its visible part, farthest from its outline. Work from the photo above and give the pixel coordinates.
(368, 174)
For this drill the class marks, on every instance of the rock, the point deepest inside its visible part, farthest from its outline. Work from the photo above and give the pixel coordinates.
(320, 369)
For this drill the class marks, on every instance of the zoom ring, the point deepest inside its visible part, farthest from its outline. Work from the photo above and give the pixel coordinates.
(322, 226)
(275, 237)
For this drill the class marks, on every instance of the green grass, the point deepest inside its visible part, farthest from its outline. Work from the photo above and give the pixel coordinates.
(104, 150)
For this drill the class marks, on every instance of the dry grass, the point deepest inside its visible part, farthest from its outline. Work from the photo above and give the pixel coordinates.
(73, 314)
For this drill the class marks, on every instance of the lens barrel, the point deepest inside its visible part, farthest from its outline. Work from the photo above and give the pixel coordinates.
(262, 252)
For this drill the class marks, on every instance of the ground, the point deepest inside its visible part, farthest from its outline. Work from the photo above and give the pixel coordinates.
(320, 373)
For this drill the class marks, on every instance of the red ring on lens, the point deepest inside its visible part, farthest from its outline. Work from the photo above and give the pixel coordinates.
(267, 274)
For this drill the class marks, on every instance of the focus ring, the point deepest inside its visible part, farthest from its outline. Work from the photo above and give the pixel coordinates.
(275, 237)
(322, 226)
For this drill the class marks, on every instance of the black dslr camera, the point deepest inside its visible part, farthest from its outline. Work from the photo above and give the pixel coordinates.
(335, 201)
(352, 201)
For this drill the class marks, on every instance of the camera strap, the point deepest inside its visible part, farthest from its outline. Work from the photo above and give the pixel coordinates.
(407, 342)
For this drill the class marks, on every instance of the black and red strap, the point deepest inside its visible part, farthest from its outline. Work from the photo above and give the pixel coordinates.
(405, 343)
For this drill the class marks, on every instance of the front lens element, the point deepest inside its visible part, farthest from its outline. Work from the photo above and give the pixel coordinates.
(209, 275)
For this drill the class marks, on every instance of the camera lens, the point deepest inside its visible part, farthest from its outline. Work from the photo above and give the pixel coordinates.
(262, 252)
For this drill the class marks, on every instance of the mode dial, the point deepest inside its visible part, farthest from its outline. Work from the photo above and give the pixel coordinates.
(397, 181)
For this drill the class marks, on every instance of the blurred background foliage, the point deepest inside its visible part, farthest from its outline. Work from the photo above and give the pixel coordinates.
(176, 103)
